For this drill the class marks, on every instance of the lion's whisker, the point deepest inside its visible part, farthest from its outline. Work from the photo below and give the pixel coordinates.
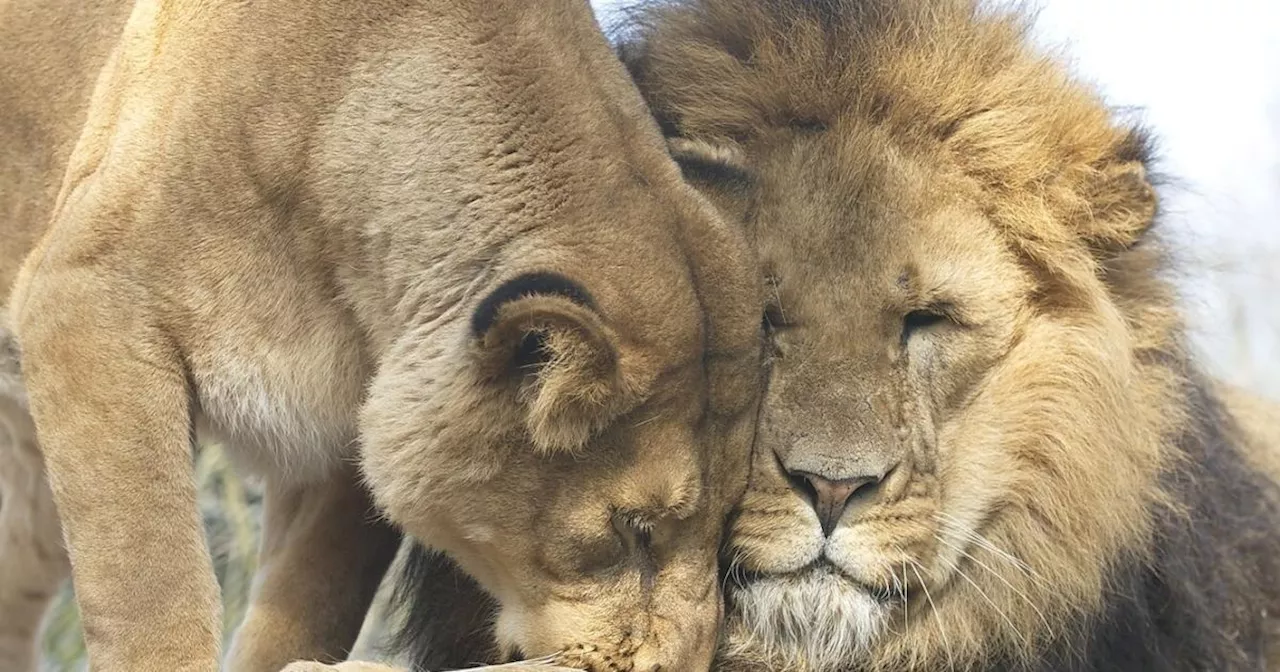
(980, 539)
(958, 548)
(906, 608)
(975, 537)
(955, 567)
(933, 608)
(1020, 593)
(645, 422)
(731, 572)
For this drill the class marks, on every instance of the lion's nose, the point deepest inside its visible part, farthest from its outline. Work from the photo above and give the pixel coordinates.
(831, 497)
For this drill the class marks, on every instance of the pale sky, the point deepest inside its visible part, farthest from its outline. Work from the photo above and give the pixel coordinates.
(1206, 78)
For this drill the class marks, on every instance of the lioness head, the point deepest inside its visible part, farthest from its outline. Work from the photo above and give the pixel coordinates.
(573, 425)
(573, 462)
(962, 427)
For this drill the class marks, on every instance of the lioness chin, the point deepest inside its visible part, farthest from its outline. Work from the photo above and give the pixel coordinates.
(438, 239)
(984, 444)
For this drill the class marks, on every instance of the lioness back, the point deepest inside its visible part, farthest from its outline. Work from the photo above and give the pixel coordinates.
(439, 239)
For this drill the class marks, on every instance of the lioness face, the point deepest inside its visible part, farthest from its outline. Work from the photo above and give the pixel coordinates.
(577, 445)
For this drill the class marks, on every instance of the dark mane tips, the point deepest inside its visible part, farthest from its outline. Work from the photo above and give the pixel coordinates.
(447, 619)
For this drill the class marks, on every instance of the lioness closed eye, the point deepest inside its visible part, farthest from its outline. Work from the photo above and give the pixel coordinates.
(984, 444)
(439, 239)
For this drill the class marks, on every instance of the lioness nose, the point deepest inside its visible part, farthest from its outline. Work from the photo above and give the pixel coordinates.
(831, 497)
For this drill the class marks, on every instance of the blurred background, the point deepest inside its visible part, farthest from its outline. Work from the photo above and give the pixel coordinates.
(1204, 76)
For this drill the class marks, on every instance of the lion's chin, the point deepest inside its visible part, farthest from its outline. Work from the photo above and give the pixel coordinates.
(815, 620)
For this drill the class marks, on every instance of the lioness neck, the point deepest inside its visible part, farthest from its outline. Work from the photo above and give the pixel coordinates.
(546, 203)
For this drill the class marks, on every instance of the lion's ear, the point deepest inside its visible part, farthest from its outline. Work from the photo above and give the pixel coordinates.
(1121, 201)
(541, 333)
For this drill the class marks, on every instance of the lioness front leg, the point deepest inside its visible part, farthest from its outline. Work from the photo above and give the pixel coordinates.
(324, 552)
(33, 563)
(110, 400)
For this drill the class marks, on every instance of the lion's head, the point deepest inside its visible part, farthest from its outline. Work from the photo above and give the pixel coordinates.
(976, 376)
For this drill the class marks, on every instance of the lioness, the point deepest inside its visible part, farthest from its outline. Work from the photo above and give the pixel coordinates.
(442, 239)
(985, 444)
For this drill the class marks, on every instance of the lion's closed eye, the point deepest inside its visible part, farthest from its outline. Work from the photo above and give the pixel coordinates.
(929, 319)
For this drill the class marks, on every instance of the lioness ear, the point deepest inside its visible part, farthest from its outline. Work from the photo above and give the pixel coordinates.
(540, 332)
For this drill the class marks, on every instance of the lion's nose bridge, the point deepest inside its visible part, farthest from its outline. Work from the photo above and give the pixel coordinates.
(851, 430)
(850, 444)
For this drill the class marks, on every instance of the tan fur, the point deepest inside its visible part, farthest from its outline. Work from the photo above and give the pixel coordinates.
(278, 225)
(920, 164)
(33, 561)
(354, 666)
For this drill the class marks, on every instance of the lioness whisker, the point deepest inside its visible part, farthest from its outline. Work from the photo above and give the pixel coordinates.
(777, 296)
(543, 663)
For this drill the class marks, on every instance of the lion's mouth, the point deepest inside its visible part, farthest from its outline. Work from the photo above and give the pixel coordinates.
(822, 568)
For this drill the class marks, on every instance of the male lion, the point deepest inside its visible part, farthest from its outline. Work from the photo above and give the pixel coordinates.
(444, 231)
(984, 444)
